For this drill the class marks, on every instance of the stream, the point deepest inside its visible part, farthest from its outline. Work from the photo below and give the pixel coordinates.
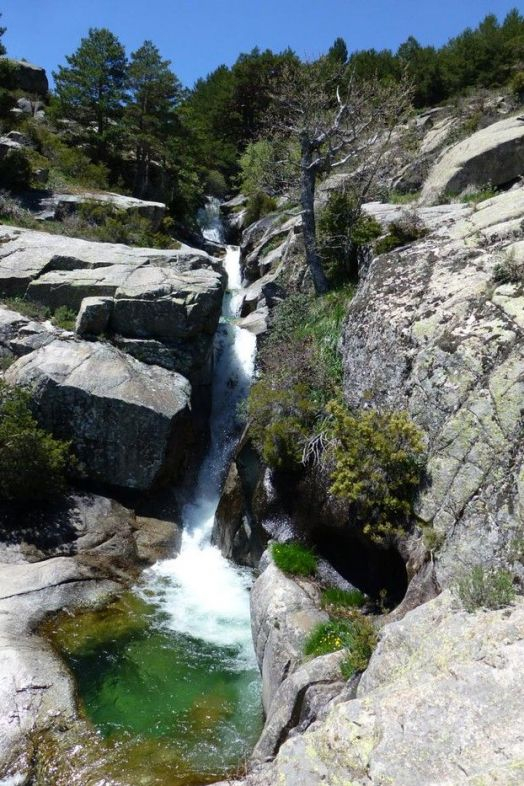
(167, 674)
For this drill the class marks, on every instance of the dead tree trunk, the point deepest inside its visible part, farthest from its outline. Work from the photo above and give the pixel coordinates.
(309, 233)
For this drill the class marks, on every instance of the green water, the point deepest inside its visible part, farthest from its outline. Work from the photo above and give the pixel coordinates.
(170, 709)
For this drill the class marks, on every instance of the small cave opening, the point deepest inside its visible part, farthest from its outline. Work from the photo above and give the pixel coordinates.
(377, 570)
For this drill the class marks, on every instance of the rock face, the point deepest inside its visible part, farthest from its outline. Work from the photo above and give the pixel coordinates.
(162, 307)
(129, 423)
(430, 331)
(28, 77)
(441, 702)
(494, 155)
(283, 612)
(66, 204)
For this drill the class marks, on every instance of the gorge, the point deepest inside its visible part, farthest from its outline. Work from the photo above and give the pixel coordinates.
(261, 450)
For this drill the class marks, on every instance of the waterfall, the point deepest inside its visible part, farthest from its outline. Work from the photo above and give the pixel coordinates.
(200, 593)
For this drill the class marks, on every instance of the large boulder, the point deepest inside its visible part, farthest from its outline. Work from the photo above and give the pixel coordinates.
(129, 423)
(430, 331)
(67, 204)
(440, 703)
(283, 612)
(494, 155)
(28, 77)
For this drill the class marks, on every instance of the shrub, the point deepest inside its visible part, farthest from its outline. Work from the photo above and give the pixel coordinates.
(280, 420)
(508, 271)
(64, 318)
(15, 171)
(258, 206)
(294, 558)
(343, 233)
(407, 229)
(216, 184)
(517, 85)
(487, 588)
(32, 463)
(357, 636)
(378, 467)
(334, 599)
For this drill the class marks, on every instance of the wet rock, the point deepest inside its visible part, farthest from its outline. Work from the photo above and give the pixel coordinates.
(129, 423)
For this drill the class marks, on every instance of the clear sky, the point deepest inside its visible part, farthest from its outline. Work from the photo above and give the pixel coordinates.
(199, 35)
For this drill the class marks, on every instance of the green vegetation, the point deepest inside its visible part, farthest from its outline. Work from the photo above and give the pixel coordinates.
(363, 642)
(356, 636)
(337, 601)
(508, 270)
(480, 195)
(259, 205)
(344, 232)
(294, 558)
(26, 307)
(33, 464)
(486, 588)
(302, 371)
(378, 467)
(398, 198)
(64, 318)
(15, 171)
(405, 230)
(481, 58)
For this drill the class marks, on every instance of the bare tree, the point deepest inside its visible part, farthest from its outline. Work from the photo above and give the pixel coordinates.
(337, 121)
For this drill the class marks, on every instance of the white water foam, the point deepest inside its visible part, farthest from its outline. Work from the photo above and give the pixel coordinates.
(200, 592)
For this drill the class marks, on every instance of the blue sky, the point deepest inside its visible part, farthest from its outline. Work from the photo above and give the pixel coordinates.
(199, 35)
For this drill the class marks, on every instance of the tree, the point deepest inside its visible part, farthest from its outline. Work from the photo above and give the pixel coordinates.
(154, 93)
(2, 47)
(337, 121)
(91, 88)
(338, 51)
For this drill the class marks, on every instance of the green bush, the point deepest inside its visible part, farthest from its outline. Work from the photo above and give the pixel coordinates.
(357, 636)
(344, 231)
(334, 599)
(517, 85)
(294, 558)
(258, 206)
(32, 463)
(15, 171)
(215, 184)
(64, 318)
(378, 467)
(26, 307)
(486, 588)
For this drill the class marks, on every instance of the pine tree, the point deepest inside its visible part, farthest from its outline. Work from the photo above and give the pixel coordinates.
(154, 93)
(2, 47)
(91, 88)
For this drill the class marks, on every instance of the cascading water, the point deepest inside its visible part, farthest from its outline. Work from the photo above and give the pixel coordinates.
(207, 596)
(168, 673)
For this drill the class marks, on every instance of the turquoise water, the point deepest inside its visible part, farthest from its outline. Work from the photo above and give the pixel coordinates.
(177, 710)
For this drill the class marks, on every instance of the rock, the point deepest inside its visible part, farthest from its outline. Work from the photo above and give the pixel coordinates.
(129, 423)
(283, 612)
(67, 204)
(20, 335)
(441, 702)
(29, 106)
(28, 77)
(94, 316)
(237, 530)
(430, 332)
(298, 701)
(493, 155)
(155, 539)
